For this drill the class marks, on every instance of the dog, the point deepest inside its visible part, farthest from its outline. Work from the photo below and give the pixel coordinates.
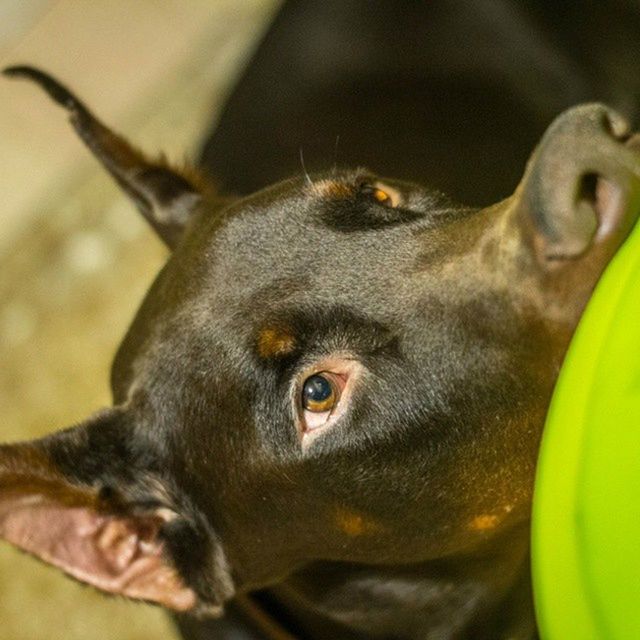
(327, 411)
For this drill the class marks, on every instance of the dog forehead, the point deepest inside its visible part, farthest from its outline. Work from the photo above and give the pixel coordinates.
(286, 245)
(334, 226)
(274, 260)
(284, 254)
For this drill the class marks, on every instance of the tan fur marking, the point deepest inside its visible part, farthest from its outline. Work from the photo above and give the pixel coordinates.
(485, 522)
(333, 189)
(355, 524)
(273, 342)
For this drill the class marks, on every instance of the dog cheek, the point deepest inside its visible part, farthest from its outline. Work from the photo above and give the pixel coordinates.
(355, 524)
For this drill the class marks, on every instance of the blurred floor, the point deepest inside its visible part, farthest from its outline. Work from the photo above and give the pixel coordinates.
(75, 259)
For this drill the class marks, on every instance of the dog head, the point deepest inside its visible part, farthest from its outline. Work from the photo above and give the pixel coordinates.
(336, 368)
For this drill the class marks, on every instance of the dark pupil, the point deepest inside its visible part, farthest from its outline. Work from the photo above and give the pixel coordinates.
(316, 389)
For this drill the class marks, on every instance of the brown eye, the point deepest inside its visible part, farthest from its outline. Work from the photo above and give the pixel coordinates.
(319, 393)
(377, 194)
(322, 396)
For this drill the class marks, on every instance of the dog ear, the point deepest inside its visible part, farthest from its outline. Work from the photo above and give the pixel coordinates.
(166, 197)
(581, 188)
(85, 501)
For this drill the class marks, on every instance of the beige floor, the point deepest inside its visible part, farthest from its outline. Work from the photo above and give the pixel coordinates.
(75, 259)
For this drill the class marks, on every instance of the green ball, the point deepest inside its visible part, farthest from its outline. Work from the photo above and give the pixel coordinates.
(586, 509)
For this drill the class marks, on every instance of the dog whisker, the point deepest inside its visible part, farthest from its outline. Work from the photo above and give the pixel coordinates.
(335, 155)
(304, 169)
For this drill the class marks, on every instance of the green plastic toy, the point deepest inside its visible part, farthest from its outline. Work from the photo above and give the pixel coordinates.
(586, 512)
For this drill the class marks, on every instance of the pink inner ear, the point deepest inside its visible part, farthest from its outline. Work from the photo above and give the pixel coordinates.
(116, 554)
(609, 204)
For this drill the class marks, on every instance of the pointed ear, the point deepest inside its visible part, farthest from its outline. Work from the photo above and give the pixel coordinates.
(80, 501)
(166, 197)
(581, 188)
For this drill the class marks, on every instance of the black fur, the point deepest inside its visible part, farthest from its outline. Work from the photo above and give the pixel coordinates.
(408, 519)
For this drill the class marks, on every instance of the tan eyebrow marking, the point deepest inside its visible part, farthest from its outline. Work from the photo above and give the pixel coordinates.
(275, 341)
(333, 189)
(337, 189)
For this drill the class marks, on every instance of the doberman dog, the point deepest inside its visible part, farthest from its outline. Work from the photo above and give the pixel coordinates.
(327, 411)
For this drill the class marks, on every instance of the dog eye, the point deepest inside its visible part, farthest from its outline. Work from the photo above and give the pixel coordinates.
(377, 194)
(323, 394)
(321, 400)
(319, 393)
(381, 194)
